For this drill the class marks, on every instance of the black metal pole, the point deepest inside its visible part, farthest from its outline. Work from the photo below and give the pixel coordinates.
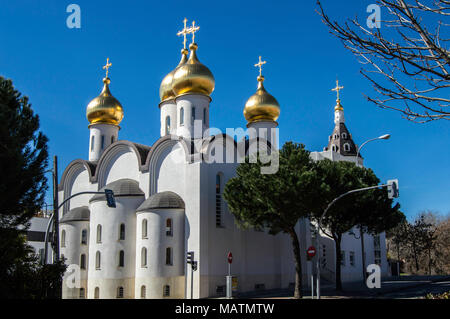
(55, 207)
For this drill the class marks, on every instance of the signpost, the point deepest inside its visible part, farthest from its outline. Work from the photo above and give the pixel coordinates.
(229, 277)
(310, 253)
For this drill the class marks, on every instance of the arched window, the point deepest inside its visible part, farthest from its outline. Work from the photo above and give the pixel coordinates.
(143, 292)
(121, 258)
(120, 292)
(169, 227)
(344, 135)
(92, 143)
(169, 256)
(336, 136)
(167, 125)
(193, 115)
(347, 147)
(166, 291)
(112, 139)
(144, 257)
(334, 148)
(97, 260)
(97, 293)
(103, 142)
(82, 293)
(218, 200)
(84, 237)
(181, 116)
(122, 232)
(83, 261)
(99, 234)
(63, 238)
(204, 116)
(144, 228)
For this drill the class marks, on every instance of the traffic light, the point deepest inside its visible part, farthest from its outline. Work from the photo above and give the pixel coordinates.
(110, 200)
(190, 257)
(194, 266)
(392, 188)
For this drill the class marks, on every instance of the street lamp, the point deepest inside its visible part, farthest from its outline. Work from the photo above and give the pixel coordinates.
(382, 137)
(361, 231)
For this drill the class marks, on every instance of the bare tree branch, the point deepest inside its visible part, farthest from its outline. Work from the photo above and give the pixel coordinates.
(407, 60)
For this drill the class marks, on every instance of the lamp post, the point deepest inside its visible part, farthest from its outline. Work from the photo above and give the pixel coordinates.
(361, 231)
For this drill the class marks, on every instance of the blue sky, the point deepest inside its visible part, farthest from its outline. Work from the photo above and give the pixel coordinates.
(60, 69)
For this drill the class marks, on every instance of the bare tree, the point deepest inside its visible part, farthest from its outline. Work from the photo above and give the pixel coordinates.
(406, 59)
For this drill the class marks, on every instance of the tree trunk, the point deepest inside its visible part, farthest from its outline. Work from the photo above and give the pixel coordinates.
(337, 241)
(298, 264)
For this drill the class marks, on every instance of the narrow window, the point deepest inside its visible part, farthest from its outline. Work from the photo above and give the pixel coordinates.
(112, 139)
(63, 238)
(193, 115)
(342, 258)
(99, 234)
(204, 116)
(169, 256)
(121, 258)
(167, 125)
(103, 142)
(352, 258)
(218, 201)
(144, 228)
(82, 293)
(120, 292)
(83, 261)
(169, 227)
(344, 136)
(97, 260)
(181, 116)
(97, 293)
(122, 232)
(92, 143)
(166, 291)
(143, 292)
(84, 237)
(144, 257)
(347, 147)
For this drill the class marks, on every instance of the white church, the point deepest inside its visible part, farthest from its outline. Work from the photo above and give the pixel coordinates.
(169, 201)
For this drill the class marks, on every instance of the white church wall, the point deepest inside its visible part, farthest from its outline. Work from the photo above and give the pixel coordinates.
(124, 165)
(110, 276)
(72, 251)
(80, 183)
(156, 272)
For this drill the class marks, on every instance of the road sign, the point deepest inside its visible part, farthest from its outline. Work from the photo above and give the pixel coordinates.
(110, 200)
(393, 188)
(311, 251)
(230, 257)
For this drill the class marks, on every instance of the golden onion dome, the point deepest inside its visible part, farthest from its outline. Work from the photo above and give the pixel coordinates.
(261, 106)
(165, 90)
(193, 76)
(105, 108)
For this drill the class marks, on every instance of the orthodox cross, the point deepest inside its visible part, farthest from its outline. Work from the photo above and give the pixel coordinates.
(337, 89)
(192, 30)
(107, 66)
(184, 33)
(260, 64)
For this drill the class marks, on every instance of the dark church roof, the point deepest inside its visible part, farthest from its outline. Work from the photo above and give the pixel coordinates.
(162, 200)
(77, 214)
(121, 187)
(342, 140)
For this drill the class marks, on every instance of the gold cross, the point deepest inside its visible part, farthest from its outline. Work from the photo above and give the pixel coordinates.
(107, 66)
(260, 64)
(184, 33)
(337, 89)
(192, 30)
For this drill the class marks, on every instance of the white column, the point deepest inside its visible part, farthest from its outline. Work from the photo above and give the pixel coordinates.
(264, 130)
(101, 136)
(168, 109)
(187, 103)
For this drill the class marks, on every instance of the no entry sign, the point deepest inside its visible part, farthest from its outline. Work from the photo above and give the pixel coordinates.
(311, 251)
(230, 257)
